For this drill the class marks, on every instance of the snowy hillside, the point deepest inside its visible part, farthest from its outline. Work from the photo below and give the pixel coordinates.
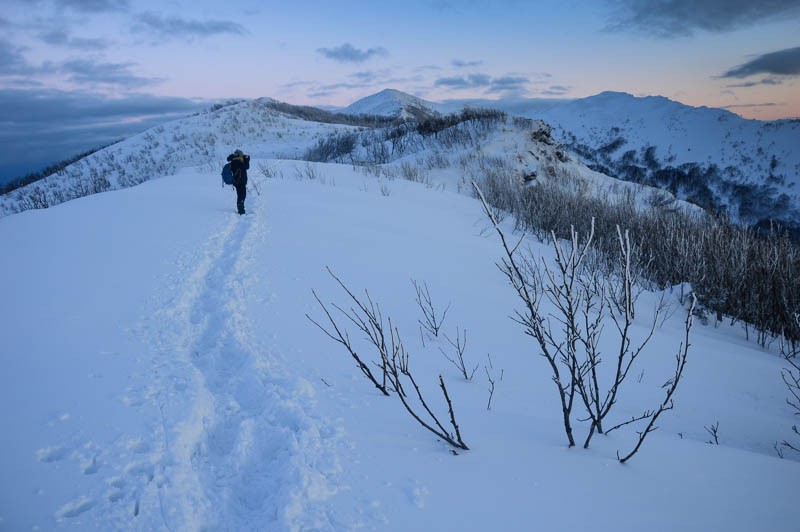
(449, 149)
(160, 373)
(748, 169)
(202, 140)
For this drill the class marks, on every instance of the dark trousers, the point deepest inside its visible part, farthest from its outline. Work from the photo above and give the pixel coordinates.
(241, 193)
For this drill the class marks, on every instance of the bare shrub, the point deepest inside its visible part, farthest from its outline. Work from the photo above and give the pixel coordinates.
(736, 272)
(394, 362)
(269, 171)
(432, 319)
(413, 172)
(569, 338)
(459, 345)
(337, 147)
(308, 171)
(670, 386)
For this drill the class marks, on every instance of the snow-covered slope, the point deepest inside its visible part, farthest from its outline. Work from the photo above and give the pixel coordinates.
(160, 373)
(203, 140)
(748, 168)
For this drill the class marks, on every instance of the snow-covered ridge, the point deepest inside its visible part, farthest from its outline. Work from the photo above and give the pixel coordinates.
(202, 141)
(269, 129)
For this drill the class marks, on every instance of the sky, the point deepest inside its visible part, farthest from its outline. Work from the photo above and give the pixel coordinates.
(76, 74)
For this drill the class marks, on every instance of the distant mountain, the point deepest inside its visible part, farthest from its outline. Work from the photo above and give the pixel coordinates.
(392, 103)
(748, 170)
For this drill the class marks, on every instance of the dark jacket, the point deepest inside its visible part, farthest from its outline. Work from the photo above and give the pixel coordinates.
(239, 166)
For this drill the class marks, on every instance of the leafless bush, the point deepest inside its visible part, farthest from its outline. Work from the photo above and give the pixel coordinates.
(337, 147)
(308, 171)
(670, 386)
(393, 362)
(378, 153)
(432, 320)
(501, 186)
(569, 339)
(459, 346)
(32, 197)
(737, 273)
(370, 322)
(269, 171)
(491, 388)
(413, 172)
(437, 160)
(713, 431)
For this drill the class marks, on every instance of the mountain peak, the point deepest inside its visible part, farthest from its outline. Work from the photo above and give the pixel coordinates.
(391, 103)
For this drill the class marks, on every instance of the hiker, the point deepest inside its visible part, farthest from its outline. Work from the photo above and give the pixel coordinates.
(240, 163)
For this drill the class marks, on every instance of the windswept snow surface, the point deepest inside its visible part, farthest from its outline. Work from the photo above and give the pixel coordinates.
(160, 373)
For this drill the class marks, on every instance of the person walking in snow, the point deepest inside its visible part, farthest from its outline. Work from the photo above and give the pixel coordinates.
(240, 163)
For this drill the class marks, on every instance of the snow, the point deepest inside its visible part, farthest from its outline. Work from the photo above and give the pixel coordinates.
(160, 373)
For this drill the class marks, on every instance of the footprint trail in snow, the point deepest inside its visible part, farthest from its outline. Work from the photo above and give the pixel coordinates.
(239, 447)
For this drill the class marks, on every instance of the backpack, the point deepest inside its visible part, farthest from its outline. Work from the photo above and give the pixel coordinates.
(227, 175)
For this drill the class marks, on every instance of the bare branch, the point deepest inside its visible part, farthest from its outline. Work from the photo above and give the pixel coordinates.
(366, 316)
(344, 339)
(432, 321)
(667, 404)
(459, 346)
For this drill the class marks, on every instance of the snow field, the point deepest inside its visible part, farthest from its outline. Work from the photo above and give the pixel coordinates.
(170, 379)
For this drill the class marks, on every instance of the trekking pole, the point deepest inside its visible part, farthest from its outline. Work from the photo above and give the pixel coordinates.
(255, 186)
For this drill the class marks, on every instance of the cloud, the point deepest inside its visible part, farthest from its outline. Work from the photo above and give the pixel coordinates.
(371, 76)
(746, 84)
(556, 90)
(88, 72)
(94, 6)
(12, 62)
(80, 71)
(458, 63)
(681, 18)
(509, 84)
(56, 108)
(751, 105)
(50, 125)
(505, 84)
(347, 53)
(176, 27)
(781, 63)
(471, 81)
(60, 37)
